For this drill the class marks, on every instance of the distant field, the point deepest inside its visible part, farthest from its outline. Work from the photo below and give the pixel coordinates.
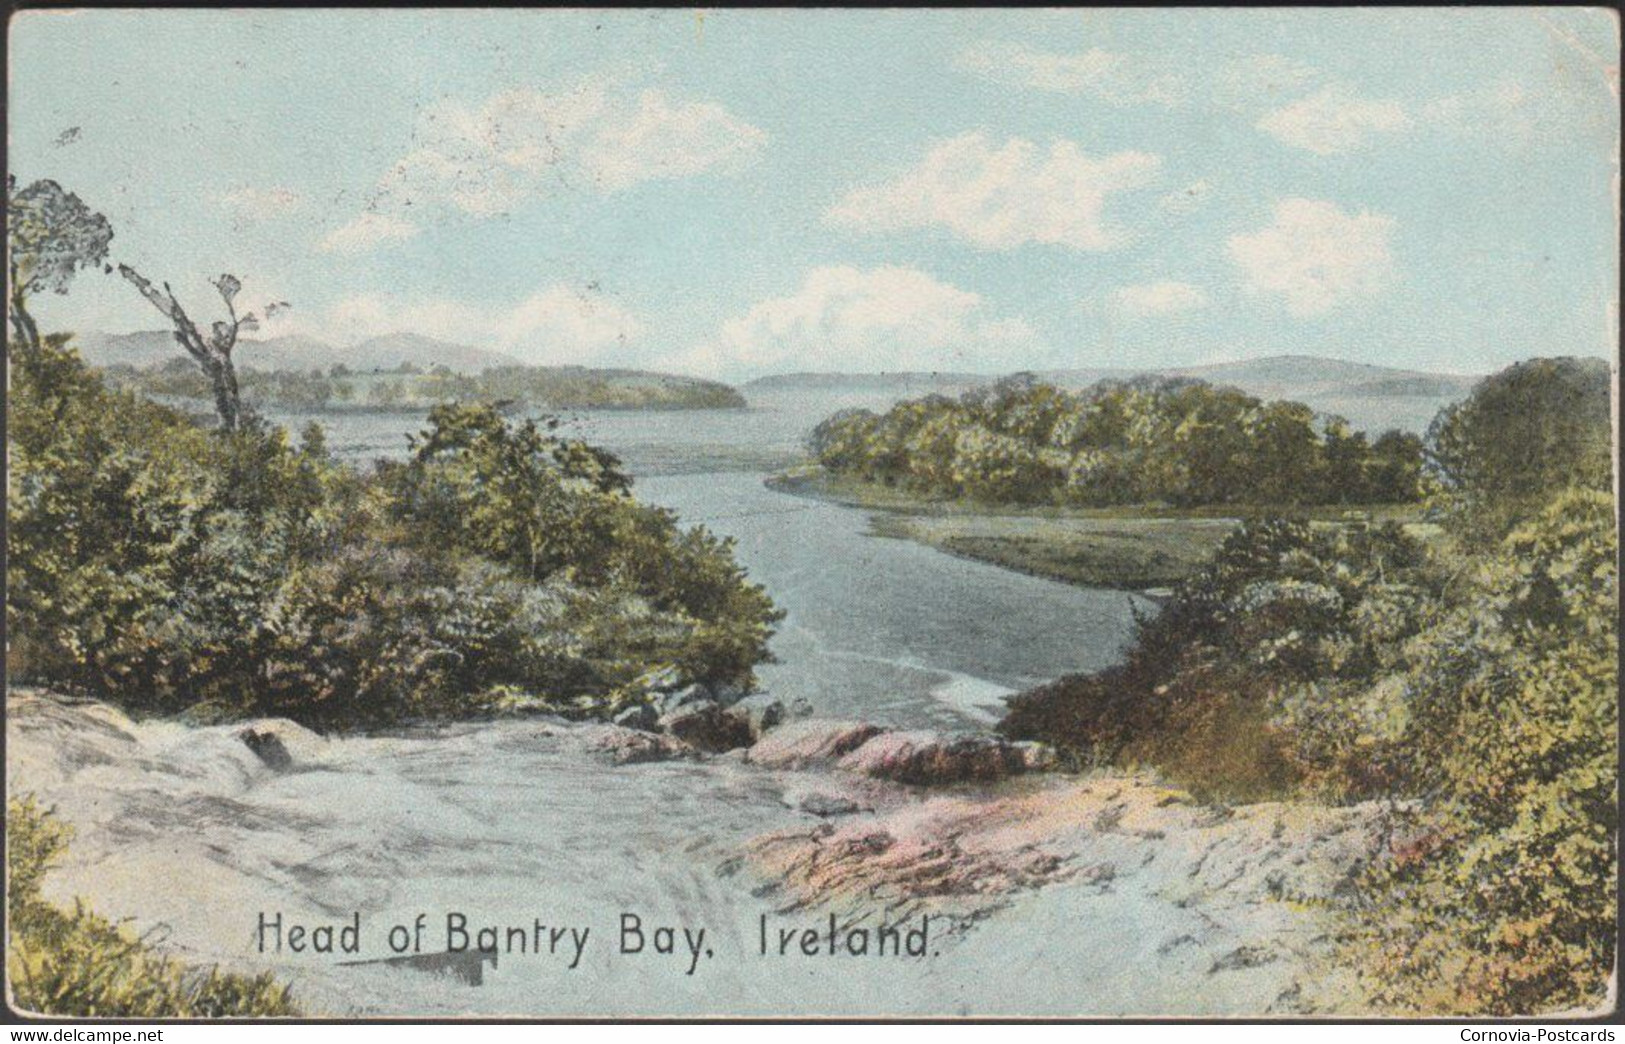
(1128, 548)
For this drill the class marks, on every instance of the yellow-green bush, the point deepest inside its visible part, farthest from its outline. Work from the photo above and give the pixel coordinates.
(76, 962)
(1501, 896)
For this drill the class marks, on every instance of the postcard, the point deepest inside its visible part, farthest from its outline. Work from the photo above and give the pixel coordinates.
(812, 513)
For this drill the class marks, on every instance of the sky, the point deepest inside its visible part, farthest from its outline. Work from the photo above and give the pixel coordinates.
(736, 193)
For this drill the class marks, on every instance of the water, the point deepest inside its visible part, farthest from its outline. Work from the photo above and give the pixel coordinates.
(876, 628)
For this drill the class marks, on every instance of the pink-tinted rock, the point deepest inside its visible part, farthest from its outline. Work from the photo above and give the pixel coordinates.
(810, 741)
(625, 746)
(927, 758)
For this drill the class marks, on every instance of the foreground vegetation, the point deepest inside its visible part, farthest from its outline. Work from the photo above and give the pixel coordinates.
(1471, 679)
(167, 567)
(78, 963)
(1148, 441)
(410, 390)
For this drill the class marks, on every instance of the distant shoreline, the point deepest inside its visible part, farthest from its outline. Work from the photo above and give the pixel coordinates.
(1141, 549)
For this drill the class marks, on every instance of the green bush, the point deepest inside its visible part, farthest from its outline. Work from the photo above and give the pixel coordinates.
(1524, 435)
(1503, 901)
(1178, 442)
(1211, 690)
(167, 567)
(77, 963)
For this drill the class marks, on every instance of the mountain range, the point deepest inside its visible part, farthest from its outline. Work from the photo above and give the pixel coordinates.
(1370, 397)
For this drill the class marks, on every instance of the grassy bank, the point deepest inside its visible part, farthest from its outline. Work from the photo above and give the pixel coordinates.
(1128, 548)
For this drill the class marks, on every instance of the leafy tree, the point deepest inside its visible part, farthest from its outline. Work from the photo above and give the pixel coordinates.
(53, 235)
(1178, 442)
(1523, 434)
(169, 568)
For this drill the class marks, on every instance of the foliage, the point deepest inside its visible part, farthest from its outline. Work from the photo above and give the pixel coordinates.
(1213, 691)
(1472, 680)
(553, 387)
(77, 963)
(1503, 902)
(52, 234)
(1176, 442)
(1524, 434)
(167, 567)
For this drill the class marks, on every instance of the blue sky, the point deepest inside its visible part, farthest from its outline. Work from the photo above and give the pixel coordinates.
(737, 193)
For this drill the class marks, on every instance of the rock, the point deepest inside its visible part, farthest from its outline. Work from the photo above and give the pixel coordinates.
(281, 744)
(825, 805)
(728, 694)
(641, 716)
(268, 748)
(708, 727)
(631, 746)
(800, 707)
(1035, 756)
(927, 758)
(799, 743)
(684, 697)
(762, 711)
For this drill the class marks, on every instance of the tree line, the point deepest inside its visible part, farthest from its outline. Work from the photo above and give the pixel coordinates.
(1147, 440)
(410, 388)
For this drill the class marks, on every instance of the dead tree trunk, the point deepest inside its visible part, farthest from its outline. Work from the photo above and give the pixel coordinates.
(22, 322)
(213, 353)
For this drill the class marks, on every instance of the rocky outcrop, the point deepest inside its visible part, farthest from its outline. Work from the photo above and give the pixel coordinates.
(926, 758)
(1229, 880)
(623, 746)
(638, 716)
(708, 727)
(810, 741)
(1146, 900)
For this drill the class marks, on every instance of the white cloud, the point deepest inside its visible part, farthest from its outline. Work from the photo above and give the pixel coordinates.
(1333, 121)
(251, 204)
(1159, 298)
(1116, 78)
(1002, 196)
(1316, 256)
(560, 325)
(366, 232)
(489, 158)
(556, 325)
(866, 320)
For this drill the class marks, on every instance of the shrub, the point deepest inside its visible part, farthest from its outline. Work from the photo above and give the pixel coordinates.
(167, 567)
(77, 963)
(1509, 908)
(1523, 435)
(1225, 689)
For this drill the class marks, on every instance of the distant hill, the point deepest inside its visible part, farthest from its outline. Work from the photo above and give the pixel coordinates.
(903, 383)
(297, 352)
(1297, 376)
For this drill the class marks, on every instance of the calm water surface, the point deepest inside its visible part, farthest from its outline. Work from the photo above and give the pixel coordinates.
(877, 628)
